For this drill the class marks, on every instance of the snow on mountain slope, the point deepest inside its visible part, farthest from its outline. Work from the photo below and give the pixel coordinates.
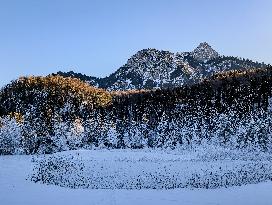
(16, 190)
(151, 68)
(204, 52)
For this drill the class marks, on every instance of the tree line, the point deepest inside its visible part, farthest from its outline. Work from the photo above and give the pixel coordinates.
(54, 113)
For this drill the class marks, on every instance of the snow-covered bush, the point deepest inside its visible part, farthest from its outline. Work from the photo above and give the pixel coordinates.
(151, 170)
(10, 136)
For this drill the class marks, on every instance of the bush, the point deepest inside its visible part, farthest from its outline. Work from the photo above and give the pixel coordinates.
(10, 136)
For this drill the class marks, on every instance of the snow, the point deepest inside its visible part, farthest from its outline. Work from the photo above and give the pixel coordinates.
(204, 52)
(15, 189)
(118, 169)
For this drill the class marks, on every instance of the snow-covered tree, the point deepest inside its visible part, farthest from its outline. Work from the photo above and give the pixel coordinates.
(60, 139)
(10, 136)
(134, 137)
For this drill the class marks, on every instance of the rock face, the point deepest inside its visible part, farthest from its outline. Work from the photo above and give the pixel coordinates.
(204, 52)
(151, 68)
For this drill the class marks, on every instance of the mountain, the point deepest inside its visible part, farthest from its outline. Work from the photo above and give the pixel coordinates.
(204, 52)
(151, 68)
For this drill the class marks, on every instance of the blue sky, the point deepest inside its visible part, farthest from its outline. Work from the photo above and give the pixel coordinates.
(95, 37)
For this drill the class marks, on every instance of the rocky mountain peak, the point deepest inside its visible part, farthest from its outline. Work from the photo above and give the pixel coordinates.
(204, 52)
(151, 69)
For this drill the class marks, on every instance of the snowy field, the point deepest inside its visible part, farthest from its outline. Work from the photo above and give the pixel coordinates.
(17, 188)
(126, 169)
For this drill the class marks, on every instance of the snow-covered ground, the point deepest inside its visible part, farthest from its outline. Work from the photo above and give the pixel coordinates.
(139, 169)
(15, 189)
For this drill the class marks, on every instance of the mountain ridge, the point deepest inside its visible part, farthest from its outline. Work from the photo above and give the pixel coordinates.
(152, 69)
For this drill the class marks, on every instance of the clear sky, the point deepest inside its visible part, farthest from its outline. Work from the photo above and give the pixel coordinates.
(96, 37)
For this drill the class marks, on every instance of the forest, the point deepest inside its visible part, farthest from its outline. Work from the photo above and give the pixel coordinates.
(55, 113)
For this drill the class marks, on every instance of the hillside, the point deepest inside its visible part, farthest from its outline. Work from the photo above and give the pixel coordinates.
(151, 68)
(38, 104)
(52, 114)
